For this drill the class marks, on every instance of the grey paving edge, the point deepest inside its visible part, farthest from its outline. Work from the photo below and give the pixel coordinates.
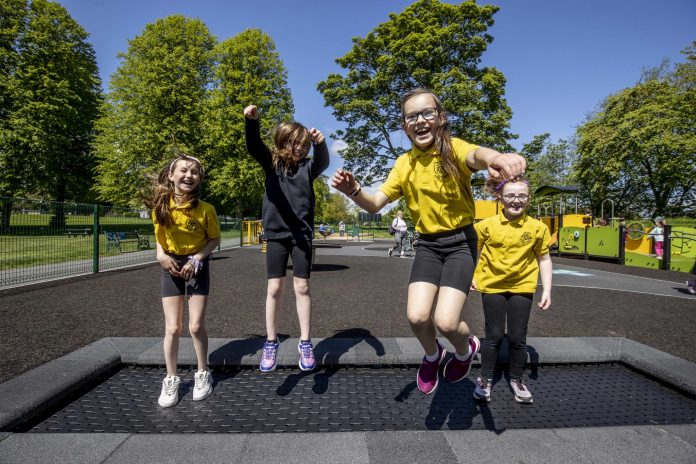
(29, 394)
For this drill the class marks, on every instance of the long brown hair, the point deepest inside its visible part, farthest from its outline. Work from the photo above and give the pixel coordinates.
(443, 141)
(284, 138)
(162, 189)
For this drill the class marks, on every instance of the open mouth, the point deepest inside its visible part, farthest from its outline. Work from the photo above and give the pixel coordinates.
(421, 131)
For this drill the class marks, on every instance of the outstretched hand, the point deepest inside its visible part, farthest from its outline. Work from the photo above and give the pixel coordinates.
(251, 112)
(344, 181)
(316, 136)
(507, 166)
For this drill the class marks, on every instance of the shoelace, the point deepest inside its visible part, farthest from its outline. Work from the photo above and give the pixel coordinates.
(520, 385)
(269, 350)
(306, 350)
(200, 381)
(169, 387)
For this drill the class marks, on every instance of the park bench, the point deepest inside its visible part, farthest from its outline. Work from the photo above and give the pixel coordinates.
(77, 232)
(114, 240)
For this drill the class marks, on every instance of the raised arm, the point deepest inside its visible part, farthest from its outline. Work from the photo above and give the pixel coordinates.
(345, 182)
(499, 165)
(320, 160)
(255, 146)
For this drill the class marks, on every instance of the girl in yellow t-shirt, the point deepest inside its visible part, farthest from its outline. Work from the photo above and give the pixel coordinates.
(434, 178)
(514, 251)
(187, 231)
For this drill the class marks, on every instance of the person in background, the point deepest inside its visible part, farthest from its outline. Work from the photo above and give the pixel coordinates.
(400, 229)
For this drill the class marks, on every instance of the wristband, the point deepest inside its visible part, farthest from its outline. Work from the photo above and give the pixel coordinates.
(197, 265)
(356, 191)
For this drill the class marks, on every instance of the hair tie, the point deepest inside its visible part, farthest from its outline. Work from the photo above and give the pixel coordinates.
(500, 185)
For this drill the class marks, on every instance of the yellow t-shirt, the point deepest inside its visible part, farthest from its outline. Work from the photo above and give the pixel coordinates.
(436, 201)
(190, 230)
(509, 252)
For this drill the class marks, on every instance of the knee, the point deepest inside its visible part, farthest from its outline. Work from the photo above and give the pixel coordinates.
(419, 319)
(447, 326)
(301, 287)
(275, 288)
(196, 329)
(173, 330)
(517, 338)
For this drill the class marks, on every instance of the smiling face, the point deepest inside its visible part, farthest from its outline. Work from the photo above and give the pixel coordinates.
(185, 176)
(515, 198)
(421, 120)
(298, 148)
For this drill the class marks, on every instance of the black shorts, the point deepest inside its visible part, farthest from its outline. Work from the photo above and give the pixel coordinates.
(278, 252)
(176, 286)
(447, 259)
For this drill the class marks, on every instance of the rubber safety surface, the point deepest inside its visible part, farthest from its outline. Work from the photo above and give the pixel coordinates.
(369, 399)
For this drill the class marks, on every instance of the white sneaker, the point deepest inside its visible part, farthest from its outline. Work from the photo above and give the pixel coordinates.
(522, 394)
(170, 391)
(203, 385)
(390, 252)
(482, 391)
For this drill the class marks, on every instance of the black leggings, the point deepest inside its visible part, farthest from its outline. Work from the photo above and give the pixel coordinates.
(497, 307)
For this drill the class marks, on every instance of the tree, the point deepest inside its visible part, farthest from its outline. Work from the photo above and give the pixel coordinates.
(51, 93)
(430, 44)
(638, 149)
(157, 100)
(248, 70)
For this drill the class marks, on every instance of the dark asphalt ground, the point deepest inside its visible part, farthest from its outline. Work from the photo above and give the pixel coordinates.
(350, 293)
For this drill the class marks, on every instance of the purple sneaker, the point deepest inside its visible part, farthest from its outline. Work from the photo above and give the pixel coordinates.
(455, 370)
(268, 357)
(307, 361)
(427, 377)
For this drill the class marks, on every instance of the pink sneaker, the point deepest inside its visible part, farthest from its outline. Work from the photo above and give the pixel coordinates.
(456, 370)
(427, 378)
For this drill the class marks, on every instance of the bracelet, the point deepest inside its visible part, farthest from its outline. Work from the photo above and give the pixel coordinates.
(355, 192)
(197, 265)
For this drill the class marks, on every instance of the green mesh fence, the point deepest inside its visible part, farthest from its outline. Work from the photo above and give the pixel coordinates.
(44, 240)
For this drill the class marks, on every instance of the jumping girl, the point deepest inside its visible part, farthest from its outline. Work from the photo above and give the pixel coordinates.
(288, 223)
(514, 251)
(434, 177)
(187, 231)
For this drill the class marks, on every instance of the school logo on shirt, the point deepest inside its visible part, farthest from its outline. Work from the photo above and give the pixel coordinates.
(191, 224)
(440, 172)
(526, 238)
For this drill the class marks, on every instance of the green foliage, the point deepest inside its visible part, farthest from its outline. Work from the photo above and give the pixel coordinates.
(549, 163)
(157, 94)
(430, 44)
(50, 91)
(248, 71)
(638, 149)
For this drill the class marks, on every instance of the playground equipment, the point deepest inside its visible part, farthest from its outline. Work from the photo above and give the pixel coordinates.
(608, 238)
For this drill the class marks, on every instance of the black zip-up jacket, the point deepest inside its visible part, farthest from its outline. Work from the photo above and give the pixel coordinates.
(288, 204)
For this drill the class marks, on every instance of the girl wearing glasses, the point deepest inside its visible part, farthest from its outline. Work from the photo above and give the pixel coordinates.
(514, 251)
(434, 179)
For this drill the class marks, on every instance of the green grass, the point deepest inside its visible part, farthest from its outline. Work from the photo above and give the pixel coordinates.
(35, 250)
(43, 220)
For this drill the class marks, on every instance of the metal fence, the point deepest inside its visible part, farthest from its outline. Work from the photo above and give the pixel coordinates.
(44, 240)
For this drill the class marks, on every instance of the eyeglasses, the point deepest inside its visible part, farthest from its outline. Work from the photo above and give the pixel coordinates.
(428, 114)
(512, 196)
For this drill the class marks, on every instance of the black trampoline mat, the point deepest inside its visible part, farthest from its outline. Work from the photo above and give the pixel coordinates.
(369, 399)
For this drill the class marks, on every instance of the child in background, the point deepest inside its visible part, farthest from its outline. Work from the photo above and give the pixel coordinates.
(187, 231)
(658, 235)
(434, 178)
(401, 228)
(288, 221)
(514, 250)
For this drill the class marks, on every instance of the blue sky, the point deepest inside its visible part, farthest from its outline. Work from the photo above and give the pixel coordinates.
(560, 57)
